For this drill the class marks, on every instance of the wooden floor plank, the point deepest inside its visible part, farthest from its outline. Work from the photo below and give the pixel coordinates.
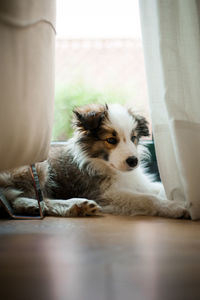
(109, 257)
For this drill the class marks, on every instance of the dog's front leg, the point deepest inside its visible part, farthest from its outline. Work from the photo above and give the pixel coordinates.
(131, 204)
(74, 207)
(64, 208)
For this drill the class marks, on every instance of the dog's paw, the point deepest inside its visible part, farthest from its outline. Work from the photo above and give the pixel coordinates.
(175, 210)
(83, 207)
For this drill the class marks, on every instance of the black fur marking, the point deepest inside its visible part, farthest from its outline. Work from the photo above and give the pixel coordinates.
(100, 154)
(87, 142)
(114, 133)
(142, 126)
(91, 120)
(106, 156)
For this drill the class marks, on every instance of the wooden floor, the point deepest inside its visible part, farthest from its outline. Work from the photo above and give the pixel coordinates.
(111, 258)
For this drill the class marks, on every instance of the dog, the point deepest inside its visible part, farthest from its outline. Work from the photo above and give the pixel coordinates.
(98, 170)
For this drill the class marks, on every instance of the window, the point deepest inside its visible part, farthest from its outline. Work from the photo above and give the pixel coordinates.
(99, 58)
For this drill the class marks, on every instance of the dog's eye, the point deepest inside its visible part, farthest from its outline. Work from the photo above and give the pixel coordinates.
(112, 141)
(133, 138)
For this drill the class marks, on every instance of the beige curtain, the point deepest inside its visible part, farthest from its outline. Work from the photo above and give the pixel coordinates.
(27, 42)
(171, 38)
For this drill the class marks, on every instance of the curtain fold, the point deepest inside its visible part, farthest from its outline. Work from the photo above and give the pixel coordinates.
(27, 43)
(171, 39)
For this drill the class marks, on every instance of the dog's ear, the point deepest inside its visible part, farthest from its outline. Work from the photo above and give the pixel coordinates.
(90, 117)
(142, 127)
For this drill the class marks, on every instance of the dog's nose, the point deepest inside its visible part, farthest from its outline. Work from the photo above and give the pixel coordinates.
(132, 161)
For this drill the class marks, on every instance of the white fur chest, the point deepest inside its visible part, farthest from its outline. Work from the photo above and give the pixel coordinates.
(136, 181)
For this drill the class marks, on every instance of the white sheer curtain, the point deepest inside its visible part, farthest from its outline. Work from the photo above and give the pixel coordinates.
(171, 38)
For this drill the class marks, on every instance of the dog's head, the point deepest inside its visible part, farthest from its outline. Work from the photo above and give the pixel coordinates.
(111, 133)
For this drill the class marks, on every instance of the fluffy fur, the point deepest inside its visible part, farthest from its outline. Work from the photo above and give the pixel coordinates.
(98, 169)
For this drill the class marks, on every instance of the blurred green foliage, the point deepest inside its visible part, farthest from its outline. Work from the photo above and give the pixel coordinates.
(76, 94)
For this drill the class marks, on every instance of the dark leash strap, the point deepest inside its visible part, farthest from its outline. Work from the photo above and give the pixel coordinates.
(39, 197)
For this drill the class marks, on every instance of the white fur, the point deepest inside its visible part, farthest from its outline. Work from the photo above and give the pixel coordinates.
(123, 124)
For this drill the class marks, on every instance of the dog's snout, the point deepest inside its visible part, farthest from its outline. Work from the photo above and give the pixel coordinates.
(132, 161)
